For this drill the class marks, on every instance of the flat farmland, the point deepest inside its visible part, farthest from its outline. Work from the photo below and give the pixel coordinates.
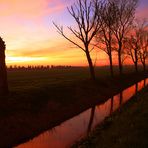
(20, 80)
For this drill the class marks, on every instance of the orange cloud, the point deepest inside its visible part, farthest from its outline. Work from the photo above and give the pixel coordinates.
(29, 8)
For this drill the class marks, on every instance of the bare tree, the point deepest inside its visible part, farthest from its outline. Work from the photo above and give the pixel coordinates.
(85, 15)
(3, 71)
(143, 33)
(132, 48)
(123, 13)
(104, 38)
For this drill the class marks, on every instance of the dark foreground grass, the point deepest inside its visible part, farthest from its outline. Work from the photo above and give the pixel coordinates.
(36, 97)
(126, 128)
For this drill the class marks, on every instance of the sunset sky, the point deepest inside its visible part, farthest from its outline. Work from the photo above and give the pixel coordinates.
(31, 39)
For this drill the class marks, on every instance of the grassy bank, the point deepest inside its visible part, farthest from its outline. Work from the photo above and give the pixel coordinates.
(36, 96)
(126, 127)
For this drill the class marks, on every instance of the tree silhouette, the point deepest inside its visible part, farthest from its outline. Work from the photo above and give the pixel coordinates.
(3, 71)
(104, 38)
(137, 43)
(85, 15)
(123, 13)
(132, 48)
(143, 52)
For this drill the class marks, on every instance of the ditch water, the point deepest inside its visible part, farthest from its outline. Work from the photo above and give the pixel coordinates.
(64, 135)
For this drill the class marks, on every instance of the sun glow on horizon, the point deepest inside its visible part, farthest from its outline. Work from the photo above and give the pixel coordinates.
(21, 60)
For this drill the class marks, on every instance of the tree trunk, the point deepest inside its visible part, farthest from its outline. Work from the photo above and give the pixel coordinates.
(120, 63)
(111, 65)
(136, 60)
(3, 74)
(136, 66)
(120, 58)
(91, 67)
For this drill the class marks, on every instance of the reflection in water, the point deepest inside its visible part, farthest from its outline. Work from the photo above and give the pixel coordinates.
(145, 82)
(91, 120)
(116, 102)
(111, 107)
(140, 85)
(121, 98)
(136, 88)
(75, 128)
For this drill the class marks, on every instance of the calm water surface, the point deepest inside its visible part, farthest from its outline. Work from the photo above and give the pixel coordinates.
(64, 135)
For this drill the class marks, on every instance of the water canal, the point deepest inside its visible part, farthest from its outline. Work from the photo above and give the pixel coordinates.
(70, 131)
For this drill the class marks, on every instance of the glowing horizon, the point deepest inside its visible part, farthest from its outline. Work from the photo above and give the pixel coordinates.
(31, 39)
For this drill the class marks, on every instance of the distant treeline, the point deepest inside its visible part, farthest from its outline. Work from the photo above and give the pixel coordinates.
(30, 67)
